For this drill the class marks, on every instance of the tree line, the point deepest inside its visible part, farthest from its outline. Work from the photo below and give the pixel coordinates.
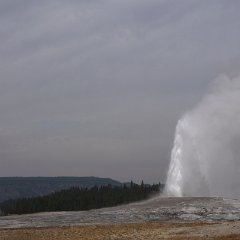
(79, 199)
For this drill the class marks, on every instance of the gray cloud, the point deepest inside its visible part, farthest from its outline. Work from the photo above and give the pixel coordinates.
(96, 87)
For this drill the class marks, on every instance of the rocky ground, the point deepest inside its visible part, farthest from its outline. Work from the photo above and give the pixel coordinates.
(158, 218)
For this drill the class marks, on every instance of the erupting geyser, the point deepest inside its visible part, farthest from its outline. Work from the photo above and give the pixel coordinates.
(205, 158)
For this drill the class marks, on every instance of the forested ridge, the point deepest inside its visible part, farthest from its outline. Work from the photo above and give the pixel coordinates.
(78, 199)
(26, 187)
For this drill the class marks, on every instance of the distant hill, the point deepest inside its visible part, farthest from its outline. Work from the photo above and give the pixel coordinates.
(21, 187)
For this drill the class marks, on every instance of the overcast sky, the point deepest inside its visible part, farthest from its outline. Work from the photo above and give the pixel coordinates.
(96, 87)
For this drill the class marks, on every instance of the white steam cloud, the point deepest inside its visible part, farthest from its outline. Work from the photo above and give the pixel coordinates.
(205, 158)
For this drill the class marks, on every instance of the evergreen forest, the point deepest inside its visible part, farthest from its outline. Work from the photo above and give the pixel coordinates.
(79, 199)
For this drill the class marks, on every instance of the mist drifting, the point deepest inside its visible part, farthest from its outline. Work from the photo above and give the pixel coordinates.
(205, 158)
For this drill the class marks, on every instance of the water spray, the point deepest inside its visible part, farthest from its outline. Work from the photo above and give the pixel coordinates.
(205, 159)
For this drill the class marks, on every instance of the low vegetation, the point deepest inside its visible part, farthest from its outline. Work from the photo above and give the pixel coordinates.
(77, 199)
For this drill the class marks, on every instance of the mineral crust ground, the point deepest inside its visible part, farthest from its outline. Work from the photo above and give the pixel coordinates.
(157, 218)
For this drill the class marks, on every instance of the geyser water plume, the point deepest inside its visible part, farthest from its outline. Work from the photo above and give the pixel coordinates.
(205, 158)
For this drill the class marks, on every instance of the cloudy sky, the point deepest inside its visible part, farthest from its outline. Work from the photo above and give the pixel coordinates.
(96, 87)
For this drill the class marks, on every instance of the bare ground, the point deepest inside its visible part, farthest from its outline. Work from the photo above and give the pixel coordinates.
(140, 231)
(158, 218)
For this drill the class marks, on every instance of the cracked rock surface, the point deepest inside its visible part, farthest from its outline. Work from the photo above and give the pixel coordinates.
(158, 209)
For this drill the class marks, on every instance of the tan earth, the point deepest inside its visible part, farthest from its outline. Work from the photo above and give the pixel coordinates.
(139, 231)
(157, 218)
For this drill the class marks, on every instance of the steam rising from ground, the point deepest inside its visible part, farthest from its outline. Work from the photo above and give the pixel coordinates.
(205, 159)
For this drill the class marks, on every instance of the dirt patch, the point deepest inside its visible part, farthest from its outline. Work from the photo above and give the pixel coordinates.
(140, 231)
